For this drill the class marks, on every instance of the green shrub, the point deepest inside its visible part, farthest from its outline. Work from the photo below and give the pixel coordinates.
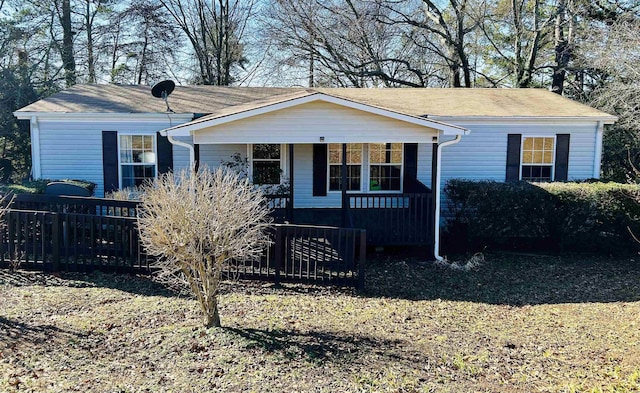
(38, 186)
(586, 216)
(26, 187)
(90, 186)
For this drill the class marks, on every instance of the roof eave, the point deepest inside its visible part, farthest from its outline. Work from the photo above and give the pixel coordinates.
(103, 116)
(606, 119)
(212, 120)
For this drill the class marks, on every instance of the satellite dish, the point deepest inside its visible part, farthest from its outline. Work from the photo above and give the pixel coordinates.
(162, 90)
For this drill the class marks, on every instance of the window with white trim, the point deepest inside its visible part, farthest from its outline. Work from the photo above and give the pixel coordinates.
(138, 161)
(385, 166)
(266, 163)
(538, 158)
(354, 166)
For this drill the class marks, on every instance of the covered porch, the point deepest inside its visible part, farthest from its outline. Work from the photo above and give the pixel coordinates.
(392, 214)
(342, 163)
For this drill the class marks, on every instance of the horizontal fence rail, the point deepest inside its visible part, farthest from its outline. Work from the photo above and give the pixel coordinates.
(72, 242)
(393, 219)
(85, 242)
(79, 205)
(309, 253)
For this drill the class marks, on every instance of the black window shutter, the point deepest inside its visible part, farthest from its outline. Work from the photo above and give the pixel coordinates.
(513, 157)
(410, 166)
(110, 160)
(320, 169)
(562, 157)
(165, 154)
(196, 155)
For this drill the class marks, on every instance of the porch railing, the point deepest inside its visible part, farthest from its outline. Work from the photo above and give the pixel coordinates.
(280, 204)
(394, 219)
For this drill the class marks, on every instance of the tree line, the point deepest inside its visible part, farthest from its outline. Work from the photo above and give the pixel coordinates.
(585, 49)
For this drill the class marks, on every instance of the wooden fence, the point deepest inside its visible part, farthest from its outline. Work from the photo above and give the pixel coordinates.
(310, 253)
(72, 241)
(79, 205)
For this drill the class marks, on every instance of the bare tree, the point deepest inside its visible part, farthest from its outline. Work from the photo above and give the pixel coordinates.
(342, 43)
(90, 12)
(216, 31)
(66, 49)
(142, 43)
(564, 36)
(198, 222)
(518, 33)
(614, 50)
(442, 28)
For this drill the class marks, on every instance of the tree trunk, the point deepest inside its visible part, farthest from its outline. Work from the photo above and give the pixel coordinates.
(143, 56)
(562, 50)
(212, 319)
(68, 61)
(90, 57)
(311, 70)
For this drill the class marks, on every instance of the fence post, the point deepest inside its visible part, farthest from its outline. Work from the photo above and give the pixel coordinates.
(279, 254)
(11, 247)
(363, 259)
(55, 241)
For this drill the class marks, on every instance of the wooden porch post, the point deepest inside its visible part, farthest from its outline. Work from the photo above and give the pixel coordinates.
(345, 199)
(290, 206)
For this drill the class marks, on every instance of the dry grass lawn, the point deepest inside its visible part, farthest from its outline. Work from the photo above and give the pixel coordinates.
(517, 324)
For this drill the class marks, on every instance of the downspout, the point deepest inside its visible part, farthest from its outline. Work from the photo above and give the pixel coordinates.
(436, 232)
(192, 151)
(36, 166)
(597, 162)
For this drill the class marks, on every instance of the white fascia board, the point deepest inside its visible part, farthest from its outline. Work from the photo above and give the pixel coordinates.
(525, 119)
(188, 129)
(102, 116)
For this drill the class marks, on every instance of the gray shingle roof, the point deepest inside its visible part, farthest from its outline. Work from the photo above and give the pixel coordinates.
(219, 100)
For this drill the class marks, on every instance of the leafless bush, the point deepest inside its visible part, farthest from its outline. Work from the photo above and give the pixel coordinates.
(198, 223)
(126, 194)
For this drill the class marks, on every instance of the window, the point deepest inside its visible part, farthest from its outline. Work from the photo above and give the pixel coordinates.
(265, 163)
(354, 166)
(538, 155)
(137, 159)
(385, 166)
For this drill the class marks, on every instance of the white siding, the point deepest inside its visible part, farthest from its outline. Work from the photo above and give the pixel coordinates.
(482, 155)
(303, 181)
(181, 154)
(214, 155)
(73, 150)
(307, 123)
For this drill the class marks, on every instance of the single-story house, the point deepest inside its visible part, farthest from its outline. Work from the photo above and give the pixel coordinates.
(391, 147)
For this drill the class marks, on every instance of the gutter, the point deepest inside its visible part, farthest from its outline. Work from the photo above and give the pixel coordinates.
(192, 151)
(436, 232)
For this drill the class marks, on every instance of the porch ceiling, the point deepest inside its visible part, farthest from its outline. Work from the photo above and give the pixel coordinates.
(312, 118)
